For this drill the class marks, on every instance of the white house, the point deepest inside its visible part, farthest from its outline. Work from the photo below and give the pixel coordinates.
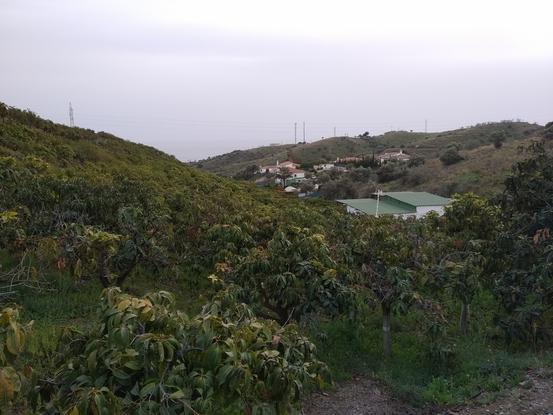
(323, 167)
(296, 173)
(393, 156)
(269, 169)
(273, 169)
(288, 164)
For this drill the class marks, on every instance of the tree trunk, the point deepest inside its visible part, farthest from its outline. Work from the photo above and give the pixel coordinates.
(124, 274)
(104, 270)
(387, 335)
(463, 320)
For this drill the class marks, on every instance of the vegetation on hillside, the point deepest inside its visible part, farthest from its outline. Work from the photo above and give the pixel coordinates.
(272, 296)
(444, 163)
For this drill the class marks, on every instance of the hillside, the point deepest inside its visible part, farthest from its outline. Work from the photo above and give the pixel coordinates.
(419, 144)
(475, 143)
(110, 163)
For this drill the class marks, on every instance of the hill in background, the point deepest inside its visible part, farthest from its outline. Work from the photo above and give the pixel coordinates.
(482, 169)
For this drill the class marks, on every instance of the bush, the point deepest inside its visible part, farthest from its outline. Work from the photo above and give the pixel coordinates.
(450, 156)
(548, 131)
(146, 357)
(413, 179)
(342, 188)
(415, 162)
(293, 276)
(389, 172)
(498, 138)
(247, 173)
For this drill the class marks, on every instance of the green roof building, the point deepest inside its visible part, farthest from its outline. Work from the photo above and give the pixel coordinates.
(400, 204)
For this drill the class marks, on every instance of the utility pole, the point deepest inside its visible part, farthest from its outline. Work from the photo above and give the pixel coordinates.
(304, 132)
(334, 131)
(378, 193)
(425, 126)
(71, 119)
(295, 133)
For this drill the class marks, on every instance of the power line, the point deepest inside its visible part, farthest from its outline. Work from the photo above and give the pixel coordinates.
(71, 119)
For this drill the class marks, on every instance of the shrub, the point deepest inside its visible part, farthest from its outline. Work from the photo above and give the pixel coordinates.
(389, 172)
(450, 156)
(498, 138)
(294, 275)
(146, 357)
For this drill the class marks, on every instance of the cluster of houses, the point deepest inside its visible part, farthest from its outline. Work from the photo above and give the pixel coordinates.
(399, 204)
(289, 175)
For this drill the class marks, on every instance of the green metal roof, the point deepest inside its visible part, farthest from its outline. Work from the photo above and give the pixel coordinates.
(385, 207)
(418, 198)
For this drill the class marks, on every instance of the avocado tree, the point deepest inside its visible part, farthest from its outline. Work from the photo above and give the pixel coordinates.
(112, 257)
(294, 274)
(523, 281)
(388, 252)
(143, 356)
(462, 278)
(393, 289)
(471, 222)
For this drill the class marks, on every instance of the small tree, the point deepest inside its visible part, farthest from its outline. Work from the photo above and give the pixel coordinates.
(284, 174)
(112, 257)
(3, 111)
(388, 252)
(290, 277)
(547, 132)
(462, 279)
(498, 138)
(394, 292)
(247, 173)
(451, 156)
(472, 222)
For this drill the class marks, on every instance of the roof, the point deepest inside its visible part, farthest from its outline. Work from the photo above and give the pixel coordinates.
(385, 207)
(418, 198)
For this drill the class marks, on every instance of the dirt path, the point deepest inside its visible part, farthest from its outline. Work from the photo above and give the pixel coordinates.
(533, 396)
(362, 396)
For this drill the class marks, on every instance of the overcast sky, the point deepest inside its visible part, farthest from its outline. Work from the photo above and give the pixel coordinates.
(199, 78)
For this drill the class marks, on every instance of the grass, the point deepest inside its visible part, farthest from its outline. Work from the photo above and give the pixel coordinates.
(67, 302)
(64, 303)
(480, 368)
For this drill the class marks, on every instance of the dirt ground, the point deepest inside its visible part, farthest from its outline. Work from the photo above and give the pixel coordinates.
(362, 396)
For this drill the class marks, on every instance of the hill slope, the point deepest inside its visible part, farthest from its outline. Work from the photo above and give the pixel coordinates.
(483, 169)
(55, 178)
(104, 160)
(419, 144)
